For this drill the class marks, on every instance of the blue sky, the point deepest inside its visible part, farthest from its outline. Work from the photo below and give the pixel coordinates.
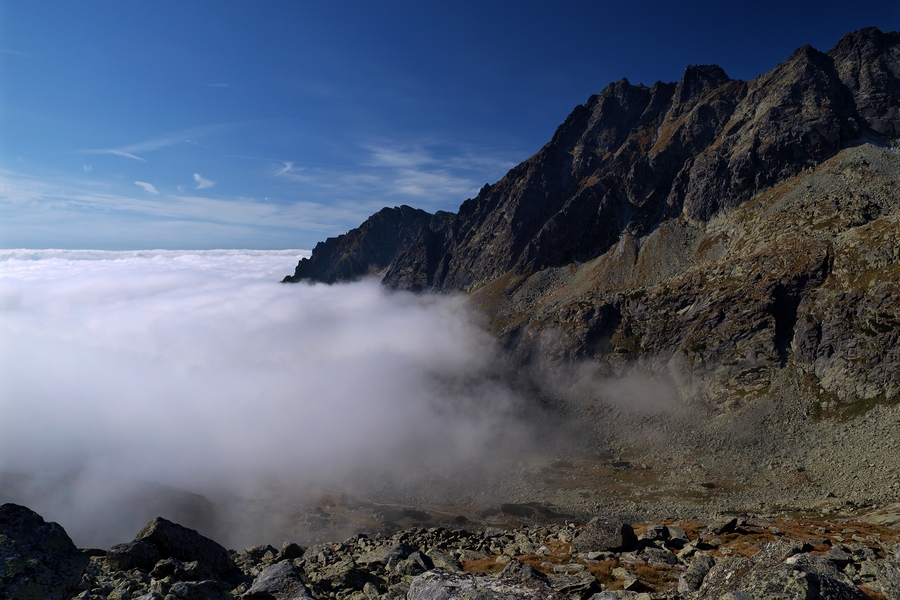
(137, 125)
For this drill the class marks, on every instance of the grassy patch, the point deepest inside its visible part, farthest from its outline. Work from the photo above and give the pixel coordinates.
(831, 408)
(625, 344)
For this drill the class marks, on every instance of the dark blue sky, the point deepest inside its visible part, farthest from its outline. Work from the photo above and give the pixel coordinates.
(275, 124)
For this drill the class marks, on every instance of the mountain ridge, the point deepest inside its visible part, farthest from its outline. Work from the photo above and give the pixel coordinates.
(597, 246)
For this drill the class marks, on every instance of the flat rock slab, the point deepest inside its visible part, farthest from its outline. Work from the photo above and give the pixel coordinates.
(442, 585)
(517, 581)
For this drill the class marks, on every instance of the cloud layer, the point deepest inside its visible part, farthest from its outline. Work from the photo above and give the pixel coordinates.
(199, 370)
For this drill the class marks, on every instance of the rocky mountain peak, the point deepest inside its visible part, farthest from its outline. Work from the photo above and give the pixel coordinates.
(868, 64)
(366, 249)
(698, 81)
(643, 192)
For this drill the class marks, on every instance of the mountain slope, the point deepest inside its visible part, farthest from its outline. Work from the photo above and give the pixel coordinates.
(715, 232)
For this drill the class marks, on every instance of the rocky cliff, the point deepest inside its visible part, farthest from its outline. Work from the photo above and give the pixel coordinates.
(368, 248)
(713, 231)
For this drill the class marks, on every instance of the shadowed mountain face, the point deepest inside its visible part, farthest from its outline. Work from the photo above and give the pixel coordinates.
(714, 231)
(634, 156)
(366, 249)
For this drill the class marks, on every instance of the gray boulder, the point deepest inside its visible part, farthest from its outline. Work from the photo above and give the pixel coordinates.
(187, 545)
(516, 582)
(124, 557)
(800, 577)
(887, 577)
(199, 590)
(691, 579)
(602, 535)
(37, 559)
(280, 581)
(444, 561)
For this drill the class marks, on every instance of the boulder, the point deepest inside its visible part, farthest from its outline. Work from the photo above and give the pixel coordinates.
(131, 555)
(800, 577)
(515, 581)
(187, 545)
(37, 559)
(691, 579)
(280, 581)
(199, 590)
(602, 535)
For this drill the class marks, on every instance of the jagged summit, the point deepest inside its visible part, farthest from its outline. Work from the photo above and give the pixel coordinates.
(596, 246)
(366, 249)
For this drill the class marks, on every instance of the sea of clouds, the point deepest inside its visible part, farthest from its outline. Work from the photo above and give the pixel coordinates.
(201, 371)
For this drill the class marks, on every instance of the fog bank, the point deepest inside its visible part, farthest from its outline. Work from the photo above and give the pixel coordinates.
(199, 370)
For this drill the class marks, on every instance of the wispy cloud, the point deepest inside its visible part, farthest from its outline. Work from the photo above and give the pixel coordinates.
(399, 157)
(390, 171)
(118, 153)
(182, 137)
(17, 53)
(218, 85)
(202, 183)
(87, 168)
(149, 187)
(26, 197)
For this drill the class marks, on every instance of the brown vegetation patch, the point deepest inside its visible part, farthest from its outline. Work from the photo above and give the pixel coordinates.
(655, 577)
(603, 572)
(482, 565)
(871, 593)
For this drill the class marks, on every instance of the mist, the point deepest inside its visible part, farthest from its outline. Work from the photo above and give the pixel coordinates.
(124, 374)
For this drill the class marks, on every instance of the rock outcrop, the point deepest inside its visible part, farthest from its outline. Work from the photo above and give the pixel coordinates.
(367, 249)
(203, 557)
(38, 560)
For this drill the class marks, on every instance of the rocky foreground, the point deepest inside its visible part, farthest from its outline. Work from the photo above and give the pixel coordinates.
(731, 556)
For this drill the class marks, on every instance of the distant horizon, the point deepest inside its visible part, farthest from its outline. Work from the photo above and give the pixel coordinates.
(143, 126)
(131, 250)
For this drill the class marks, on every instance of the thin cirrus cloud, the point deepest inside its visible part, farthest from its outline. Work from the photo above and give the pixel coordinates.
(148, 187)
(288, 167)
(388, 171)
(17, 53)
(133, 151)
(39, 213)
(203, 183)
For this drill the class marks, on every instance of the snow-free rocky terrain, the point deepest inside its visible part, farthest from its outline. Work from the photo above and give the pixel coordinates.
(748, 557)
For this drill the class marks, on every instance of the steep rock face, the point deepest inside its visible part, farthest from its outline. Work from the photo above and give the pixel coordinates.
(868, 63)
(634, 156)
(715, 232)
(805, 275)
(368, 248)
